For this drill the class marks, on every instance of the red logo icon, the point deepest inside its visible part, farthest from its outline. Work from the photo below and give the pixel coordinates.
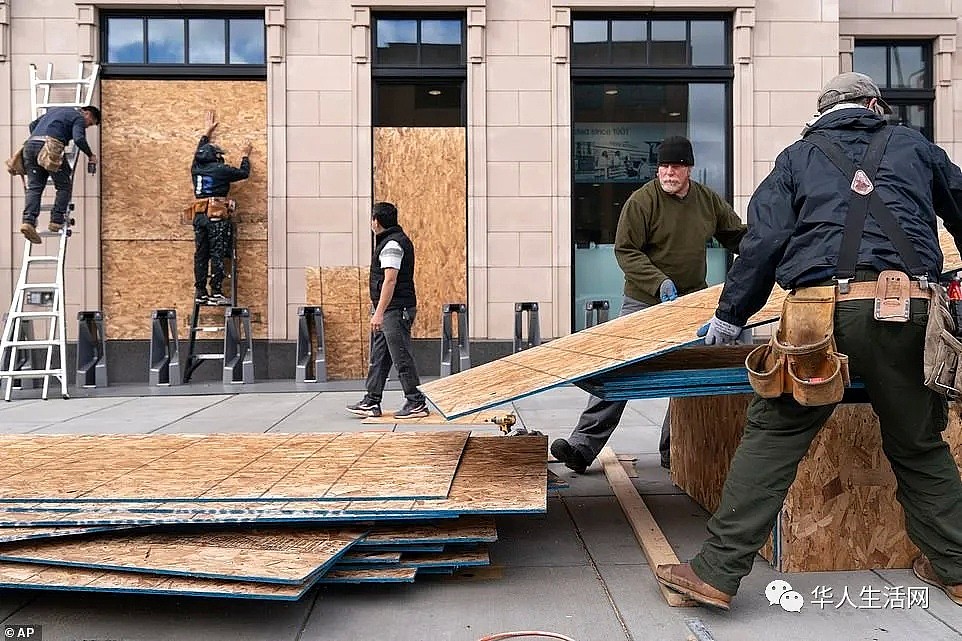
(862, 184)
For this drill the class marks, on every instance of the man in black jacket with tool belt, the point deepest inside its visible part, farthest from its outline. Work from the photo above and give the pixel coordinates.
(212, 213)
(395, 304)
(853, 198)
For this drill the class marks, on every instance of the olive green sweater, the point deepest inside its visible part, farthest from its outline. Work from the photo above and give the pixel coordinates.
(662, 236)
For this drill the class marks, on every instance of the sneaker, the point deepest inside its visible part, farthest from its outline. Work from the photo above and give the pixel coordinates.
(572, 458)
(29, 231)
(365, 408)
(200, 296)
(54, 227)
(413, 409)
(218, 299)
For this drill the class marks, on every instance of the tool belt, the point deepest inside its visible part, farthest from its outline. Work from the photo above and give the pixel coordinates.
(215, 207)
(50, 156)
(942, 356)
(15, 164)
(801, 358)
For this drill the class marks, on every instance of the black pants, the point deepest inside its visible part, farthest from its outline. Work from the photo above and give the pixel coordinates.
(393, 345)
(37, 180)
(888, 359)
(212, 243)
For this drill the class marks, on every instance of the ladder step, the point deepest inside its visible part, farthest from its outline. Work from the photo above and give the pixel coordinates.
(35, 287)
(33, 315)
(208, 357)
(32, 373)
(41, 259)
(30, 344)
(206, 329)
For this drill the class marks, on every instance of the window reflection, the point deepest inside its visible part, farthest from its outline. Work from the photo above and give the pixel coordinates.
(871, 61)
(656, 42)
(246, 42)
(907, 67)
(207, 41)
(165, 41)
(708, 44)
(125, 40)
(629, 42)
(669, 44)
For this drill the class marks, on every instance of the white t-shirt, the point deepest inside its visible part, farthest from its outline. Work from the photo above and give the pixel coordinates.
(391, 255)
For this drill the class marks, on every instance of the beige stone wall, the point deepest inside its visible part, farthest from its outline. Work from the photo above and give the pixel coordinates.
(518, 148)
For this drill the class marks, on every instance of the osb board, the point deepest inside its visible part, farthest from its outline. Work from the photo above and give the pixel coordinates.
(497, 475)
(467, 529)
(146, 183)
(146, 154)
(11, 535)
(841, 512)
(619, 342)
(423, 170)
(50, 577)
(287, 556)
(477, 418)
(343, 294)
(162, 277)
(230, 466)
(370, 575)
(448, 559)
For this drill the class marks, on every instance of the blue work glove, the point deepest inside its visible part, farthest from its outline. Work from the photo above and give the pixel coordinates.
(718, 332)
(667, 291)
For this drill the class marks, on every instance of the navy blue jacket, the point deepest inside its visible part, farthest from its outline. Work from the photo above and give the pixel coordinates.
(64, 124)
(797, 214)
(214, 178)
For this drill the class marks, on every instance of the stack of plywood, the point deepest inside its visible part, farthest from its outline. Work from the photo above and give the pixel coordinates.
(343, 294)
(256, 516)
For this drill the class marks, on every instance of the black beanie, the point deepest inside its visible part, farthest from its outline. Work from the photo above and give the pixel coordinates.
(676, 150)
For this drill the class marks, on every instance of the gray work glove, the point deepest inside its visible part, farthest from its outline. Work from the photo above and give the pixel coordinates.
(718, 332)
(667, 291)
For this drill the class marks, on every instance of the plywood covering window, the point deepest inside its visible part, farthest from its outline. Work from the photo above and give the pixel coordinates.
(420, 140)
(207, 44)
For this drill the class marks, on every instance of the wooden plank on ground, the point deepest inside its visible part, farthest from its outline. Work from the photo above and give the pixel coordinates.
(14, 534)
(497, 475)
(285, 556)
(611, 345)
(467, 529)
(370, 575)
(475, 418)
(652, 540)
(228, 467)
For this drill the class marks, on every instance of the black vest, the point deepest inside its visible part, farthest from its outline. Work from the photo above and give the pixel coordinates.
(404, 295)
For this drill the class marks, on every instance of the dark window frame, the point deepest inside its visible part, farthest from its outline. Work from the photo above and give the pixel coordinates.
(923, 97)
(185, 69)
(407, 70)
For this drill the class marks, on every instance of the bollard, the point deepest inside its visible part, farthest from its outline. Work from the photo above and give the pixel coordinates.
(596, 312)
(164, 348)
(311, 364)
(238, 346)
(91, 350)
(534, 327)
(448, 363)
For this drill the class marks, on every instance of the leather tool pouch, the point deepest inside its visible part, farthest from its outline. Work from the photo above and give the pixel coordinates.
(801, 359)
(220, 208)
(51, 154)
(943, 351)
(15, 164)
(893, 296)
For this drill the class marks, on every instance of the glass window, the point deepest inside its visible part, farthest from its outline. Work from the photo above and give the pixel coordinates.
(246, 42)
(903, 72)
(420, 103)
(907, 67)
(125, 40)
(440, 42)
(629, 42)
(397, 42)
(708, 44)
(590, 42)
(165, 40)
(871, 60)
(207, 41)
(669, 43)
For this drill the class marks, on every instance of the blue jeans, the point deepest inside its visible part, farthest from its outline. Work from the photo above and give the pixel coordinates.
(37, 180)
(393, 345)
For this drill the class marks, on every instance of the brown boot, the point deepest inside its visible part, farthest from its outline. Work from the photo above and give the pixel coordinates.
(54, 227)
(924, 570)
(681, 578)
(29, 232)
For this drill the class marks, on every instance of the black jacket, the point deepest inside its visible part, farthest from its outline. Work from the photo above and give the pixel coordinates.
(797, 214)
(404, 294)
(214, 178)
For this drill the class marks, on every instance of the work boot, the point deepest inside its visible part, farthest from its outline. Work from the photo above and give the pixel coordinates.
(200, 296)
(54, 227)
(413, 409)
(218, 299)
(924, 570)
(572, 458)
(681, 578)
(29, 231)
(365, 408)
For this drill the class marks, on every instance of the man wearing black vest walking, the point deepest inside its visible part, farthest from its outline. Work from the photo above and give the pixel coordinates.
(395, 306)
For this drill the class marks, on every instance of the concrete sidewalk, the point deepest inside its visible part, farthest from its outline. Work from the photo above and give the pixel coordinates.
(577, 570)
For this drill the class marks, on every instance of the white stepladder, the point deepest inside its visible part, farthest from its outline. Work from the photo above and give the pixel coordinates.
(38, 298)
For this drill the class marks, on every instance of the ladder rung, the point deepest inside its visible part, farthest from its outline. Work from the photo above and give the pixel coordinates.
(207, 357)
(33, 315)
(30, 344)
(38, 286)
(41, 259)
(207, 329)
(32, 373)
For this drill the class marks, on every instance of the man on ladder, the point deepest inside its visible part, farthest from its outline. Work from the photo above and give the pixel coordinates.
(43, 158)
(212, 213)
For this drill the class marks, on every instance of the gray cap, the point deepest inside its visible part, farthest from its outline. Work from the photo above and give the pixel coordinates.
(847, 87)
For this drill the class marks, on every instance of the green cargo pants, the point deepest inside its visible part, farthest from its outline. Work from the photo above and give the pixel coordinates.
(887, 357)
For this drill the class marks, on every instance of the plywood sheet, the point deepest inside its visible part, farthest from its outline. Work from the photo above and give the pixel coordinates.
(146, 183)
(368, 465)
(476, 418)
(14, 534)
(645, 334)
(423, 171)
(51, 577)
(342, 293)
(468, 529)
(288, 556)
(497, 475)
(370, 575)
(449, 559)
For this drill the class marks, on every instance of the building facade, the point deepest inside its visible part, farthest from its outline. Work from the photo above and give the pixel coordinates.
(509, 131)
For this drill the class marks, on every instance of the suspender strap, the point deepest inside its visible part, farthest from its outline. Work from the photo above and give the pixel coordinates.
(864, 198)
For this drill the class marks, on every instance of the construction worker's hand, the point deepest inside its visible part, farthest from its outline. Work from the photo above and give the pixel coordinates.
(248, 147)
(718, 332)
(92, 158)
(667, 291)
(377, 322)
(210, 124)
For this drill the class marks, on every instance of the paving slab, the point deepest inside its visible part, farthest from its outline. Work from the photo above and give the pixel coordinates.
(134, 416)
(21, 416)
(602, 526)
(241, 413)
(539, 540)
